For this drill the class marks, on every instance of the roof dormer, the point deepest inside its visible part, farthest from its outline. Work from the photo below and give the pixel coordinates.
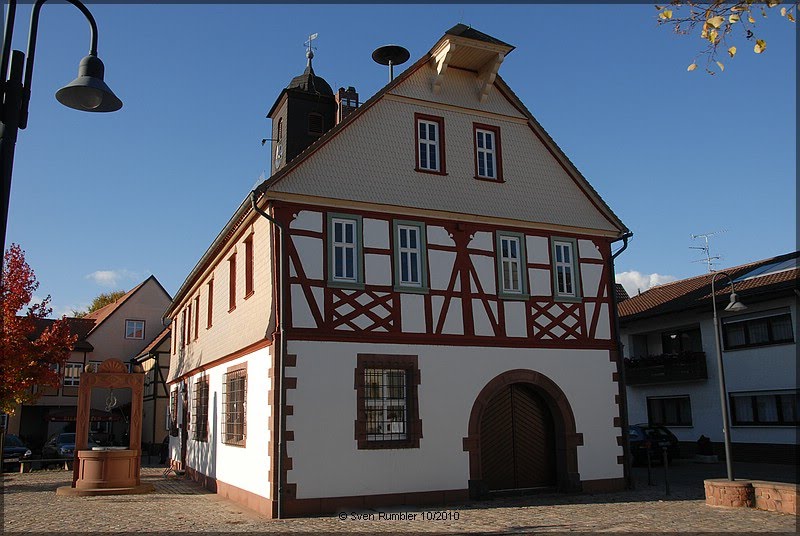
(464, 47)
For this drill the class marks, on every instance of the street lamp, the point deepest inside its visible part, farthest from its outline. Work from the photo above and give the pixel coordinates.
(87, 92)
(734, 306)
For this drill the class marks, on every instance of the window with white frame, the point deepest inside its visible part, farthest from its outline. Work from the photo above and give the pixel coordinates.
(93, 366)
(486, 153)
(345, 250)
(72, 374)
(430, 143)
(510, 262)
(134, 329)
(409, 250)
(565, 273)
(511, 265)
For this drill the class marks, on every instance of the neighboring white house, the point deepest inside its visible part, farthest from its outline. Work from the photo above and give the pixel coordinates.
(671, 367)
(448, 296)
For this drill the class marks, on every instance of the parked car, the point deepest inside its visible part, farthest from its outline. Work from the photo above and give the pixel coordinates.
(63, 446)
(651, 437)
(14, 451)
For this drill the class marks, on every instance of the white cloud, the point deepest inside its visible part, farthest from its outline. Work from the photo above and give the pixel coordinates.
(111, 278)
(634, 281)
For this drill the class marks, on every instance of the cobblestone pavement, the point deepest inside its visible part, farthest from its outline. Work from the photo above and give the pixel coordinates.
(179, 505)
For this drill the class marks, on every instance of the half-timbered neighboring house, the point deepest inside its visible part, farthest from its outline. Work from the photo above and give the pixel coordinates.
(415, 307)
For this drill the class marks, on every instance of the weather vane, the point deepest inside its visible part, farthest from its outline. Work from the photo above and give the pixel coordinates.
(310, 51)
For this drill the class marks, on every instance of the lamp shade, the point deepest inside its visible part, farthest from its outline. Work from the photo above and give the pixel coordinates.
(89, 92)
(735, 305)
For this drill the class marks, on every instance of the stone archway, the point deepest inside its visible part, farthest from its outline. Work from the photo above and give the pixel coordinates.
(567, 439)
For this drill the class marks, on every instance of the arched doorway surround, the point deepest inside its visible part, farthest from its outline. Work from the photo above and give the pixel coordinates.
(567, 440)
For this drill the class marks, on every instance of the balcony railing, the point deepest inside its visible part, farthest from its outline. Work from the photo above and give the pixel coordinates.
(666, 368)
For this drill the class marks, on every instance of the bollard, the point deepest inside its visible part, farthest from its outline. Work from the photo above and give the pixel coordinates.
(649, 466)
(666, 468)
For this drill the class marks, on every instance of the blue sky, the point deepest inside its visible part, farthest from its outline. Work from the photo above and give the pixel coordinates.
(101, 201)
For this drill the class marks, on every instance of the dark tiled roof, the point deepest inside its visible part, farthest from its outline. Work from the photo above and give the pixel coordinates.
(77, 326)
(462, 30)
(310, 83)
(696, 291)
(621, 293)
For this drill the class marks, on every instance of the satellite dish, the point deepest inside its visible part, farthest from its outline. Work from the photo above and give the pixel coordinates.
(390, 55)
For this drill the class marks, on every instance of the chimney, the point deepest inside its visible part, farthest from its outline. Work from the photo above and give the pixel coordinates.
(347, 102)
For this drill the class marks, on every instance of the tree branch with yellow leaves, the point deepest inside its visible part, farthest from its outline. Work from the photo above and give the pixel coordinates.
(720, 23)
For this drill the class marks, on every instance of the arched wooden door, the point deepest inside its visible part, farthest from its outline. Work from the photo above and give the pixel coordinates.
(517, 441)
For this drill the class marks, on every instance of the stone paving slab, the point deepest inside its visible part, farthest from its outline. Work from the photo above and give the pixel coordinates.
(179, 505)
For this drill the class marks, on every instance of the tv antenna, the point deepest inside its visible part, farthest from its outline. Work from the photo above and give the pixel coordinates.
(390, 55)
(706, 249)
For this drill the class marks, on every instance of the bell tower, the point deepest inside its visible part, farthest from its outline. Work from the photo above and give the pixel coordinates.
(304, 111)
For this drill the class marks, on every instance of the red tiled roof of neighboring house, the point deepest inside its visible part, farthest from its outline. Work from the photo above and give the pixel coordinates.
(77, 326)
(154, 344)
(696, 291)
(104, 312)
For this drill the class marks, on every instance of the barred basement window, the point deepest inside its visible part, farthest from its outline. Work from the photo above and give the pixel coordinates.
(234, 406)
(173, 412)
(200, 413)
(387, 405)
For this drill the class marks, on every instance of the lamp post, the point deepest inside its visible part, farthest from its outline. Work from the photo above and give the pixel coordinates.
(88, 92)
(734, 306)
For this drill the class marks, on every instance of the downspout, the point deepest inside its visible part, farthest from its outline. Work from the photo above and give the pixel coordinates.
(281, 347)
(623, 389)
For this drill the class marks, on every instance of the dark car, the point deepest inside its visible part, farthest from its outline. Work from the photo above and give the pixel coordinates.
(14, 451)
(63, 446)
(652, 438)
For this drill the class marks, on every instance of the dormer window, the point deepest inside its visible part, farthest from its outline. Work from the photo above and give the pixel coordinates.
(430, 143)
(487, 153)
(316, 124)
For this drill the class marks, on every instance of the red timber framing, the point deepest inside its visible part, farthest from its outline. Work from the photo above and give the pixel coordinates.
(374, 313)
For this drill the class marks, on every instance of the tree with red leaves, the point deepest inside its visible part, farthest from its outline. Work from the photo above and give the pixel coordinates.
(28, 353)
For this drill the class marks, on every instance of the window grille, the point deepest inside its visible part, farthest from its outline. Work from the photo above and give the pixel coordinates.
(234, 407)
(200, 413)
(387, 409)
(173, 413)
(385, 401)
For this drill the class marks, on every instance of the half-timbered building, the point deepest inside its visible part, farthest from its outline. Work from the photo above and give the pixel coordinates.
(415, 307)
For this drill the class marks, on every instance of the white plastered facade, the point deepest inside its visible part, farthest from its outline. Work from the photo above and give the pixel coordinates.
(327, 463)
